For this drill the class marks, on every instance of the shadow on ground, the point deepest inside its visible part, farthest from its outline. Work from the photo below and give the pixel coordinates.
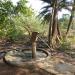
(28, 70)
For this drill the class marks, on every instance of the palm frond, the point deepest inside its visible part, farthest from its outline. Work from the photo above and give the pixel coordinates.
(47, 17)
(47, 1)
(46, 10)
(46, 7)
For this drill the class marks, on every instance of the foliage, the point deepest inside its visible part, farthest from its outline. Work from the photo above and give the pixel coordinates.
(65, 44)
(29, 24)
(17, 20)
(8, 12)
(63, 21)
(6, 8)
(22, 8)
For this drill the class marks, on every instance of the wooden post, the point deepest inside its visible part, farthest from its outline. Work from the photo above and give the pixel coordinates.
(33, 40)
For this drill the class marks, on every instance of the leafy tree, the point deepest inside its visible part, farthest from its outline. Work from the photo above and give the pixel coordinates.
(22, 8)
(6, 8)
(8, 12)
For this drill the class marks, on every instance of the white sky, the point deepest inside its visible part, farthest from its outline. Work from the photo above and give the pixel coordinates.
(37, 5)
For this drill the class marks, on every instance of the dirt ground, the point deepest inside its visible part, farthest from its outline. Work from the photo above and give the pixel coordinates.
(11, 70)
(27, 70)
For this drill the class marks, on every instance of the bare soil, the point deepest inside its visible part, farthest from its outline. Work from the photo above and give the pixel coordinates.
(28, 69)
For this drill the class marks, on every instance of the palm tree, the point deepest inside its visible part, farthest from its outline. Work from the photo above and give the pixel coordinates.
(50, 14)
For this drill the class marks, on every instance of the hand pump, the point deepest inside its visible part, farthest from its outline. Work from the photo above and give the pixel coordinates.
(33, 40)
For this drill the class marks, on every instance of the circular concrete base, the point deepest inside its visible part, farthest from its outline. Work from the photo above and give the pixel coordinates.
(24, 57)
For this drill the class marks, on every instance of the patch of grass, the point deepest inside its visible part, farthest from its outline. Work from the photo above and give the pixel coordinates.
(65, 44)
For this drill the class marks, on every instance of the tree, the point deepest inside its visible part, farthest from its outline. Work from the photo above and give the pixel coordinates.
(8, 12)
(52, 9)
(22, 8)
(6, 9)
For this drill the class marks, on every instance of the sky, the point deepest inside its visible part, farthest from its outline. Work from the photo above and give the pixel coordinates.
(37, 5)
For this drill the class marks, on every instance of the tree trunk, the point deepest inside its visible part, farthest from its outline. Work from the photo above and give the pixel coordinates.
(54, 26)
(54, 32)
(50, 30)
(58, 30)
(71, 17)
